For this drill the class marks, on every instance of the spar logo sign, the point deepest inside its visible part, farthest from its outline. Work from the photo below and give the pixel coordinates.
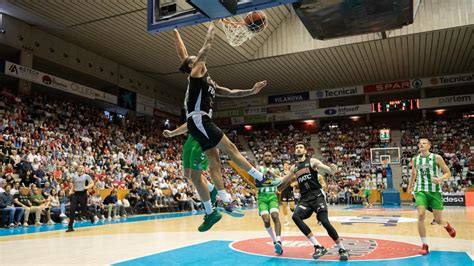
(399, 85)
(299, 247)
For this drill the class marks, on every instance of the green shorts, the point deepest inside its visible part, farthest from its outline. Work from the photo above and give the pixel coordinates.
(193, 157)
(429, 199)
(367, 193)
(267, 203)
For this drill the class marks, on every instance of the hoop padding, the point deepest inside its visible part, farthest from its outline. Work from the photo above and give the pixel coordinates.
(236, 32)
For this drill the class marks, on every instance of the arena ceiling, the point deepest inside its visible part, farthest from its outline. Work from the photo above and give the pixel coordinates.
(117, 30)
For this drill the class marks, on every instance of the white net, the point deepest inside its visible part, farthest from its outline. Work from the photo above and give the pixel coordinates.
(236, 33)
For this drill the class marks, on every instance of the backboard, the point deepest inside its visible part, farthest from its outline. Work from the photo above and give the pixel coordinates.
(165, 15)
(391, 155)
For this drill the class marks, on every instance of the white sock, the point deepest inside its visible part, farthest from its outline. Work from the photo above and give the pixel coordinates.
(207, 206)
(270, 232)
(278, 239)
(314, 241)
(423, 240)
(340, 245)
(210, 186)
(255, 174)
(225, 197)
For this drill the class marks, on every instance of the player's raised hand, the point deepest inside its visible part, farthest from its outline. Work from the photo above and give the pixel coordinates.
(259, 86)
(167, 134)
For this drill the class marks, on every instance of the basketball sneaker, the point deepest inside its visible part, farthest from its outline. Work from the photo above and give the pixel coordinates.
(267, 182)
(424, 250)
(278, 248)
(232, 210)
(319, 251)
(343, 254)
(451, 231)
(210, 220)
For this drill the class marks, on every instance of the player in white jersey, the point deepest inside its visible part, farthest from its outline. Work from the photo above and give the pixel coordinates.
(426, 180)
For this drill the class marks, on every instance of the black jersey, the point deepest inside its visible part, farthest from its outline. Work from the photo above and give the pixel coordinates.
(200, 95)
(307, 177)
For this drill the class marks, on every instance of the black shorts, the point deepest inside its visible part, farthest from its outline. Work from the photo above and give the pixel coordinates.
(314, 201)
(287, 195)
(204, 131)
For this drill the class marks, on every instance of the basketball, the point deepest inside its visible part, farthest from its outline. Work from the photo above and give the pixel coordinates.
(256, 21)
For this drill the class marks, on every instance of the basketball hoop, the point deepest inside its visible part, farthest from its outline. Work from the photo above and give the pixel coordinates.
(237, 32)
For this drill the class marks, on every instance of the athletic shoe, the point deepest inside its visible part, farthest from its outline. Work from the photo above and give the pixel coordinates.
(232, 210)
(214, 195)
(433, 222)
(451, 231)
(278, 248)
(25, 224)
(343, 254)
(50, 222)
(70, 230)
(210, 220)
(424, 250)
(267, 182)
(319, 251)
(62, 215)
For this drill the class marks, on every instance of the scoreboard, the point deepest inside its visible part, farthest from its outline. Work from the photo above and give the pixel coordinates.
(395, 105)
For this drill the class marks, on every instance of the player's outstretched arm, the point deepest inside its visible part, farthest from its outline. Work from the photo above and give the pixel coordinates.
(235, 93)
(199, 66)
(180, 48)
(444, 168)
(287, 179)
(319, 166)
(179, 131)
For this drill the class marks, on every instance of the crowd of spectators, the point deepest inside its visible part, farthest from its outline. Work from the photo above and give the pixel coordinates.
(43, 140)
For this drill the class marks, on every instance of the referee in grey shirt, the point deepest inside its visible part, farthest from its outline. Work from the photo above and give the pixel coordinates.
(80, 196)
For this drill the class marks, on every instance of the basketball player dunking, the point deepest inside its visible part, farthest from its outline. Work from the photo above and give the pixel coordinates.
(313, 199)
(427, 180)
(199, 101)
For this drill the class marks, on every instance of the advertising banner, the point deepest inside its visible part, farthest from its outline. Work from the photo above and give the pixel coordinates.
(229, 113)
(446, 80)
(447, 101)
(288, 98)
(454, 200)
(229, 104)
(278, 109)
(390, 86)
(251, 119)
(255, 110)
(51, 81)
(344, 110)
(338, 92)
(307, 105)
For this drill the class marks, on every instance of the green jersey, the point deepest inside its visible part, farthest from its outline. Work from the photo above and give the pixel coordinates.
(426, 169)
(264, 170)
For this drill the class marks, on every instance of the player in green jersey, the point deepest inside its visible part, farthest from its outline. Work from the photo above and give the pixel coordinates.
(426, 180)
(268, 204)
